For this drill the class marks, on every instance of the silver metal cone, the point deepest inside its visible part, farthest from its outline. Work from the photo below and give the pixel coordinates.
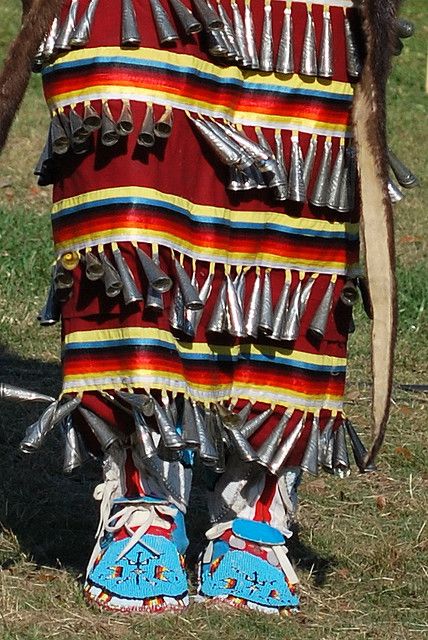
(91, 119)
(190, 294)
(190, 433)
(142, 402)
(165, 30)
(239, 29)
(242, 447)
(266, 48)
(125, 124)
(130, 36)
(228, 418)
(236, 180)
(308, 63)
(111, 279)
(228, 32)
(306, 292)
(109, 132)
(206, 14)
(65, 409)
(207, 452)
(296, 183)
(185, 17)
(36, 433)
(349, 293)
(39, 59)
(168, 432)
(309, 161)
(340, 452)
(154, 299)
(59, 139)
(395, 195)
(263, 142)
(325, 63)
(176, 311)
(403, 174)
(9, 392)
(93, 267)
(358, 449)
(319, 321)
(292, 322)
(224, 151)
(78, 131)
(154, 274)
(234, 309)
(253, 425)
(266, 310)
(347, 188)
(285, 58)
(51, 311)
(170, 408)
(74, 452)
(244, 413)
(252, 316)
(63, 278)
(324, 443)
(143, 436)
(130, 291)
(194, 317)
(321, 188)
(62, 41)
(49, 44)
(268, 449)
(82, 32)
(146, 137)
(353, 58)
(280, 312)
(215, 427)
(103, 432)
(310, 458)
(216, 323)
(333, 196)
(217, 43)
(279, 156)
(286, 447)
(249, 36)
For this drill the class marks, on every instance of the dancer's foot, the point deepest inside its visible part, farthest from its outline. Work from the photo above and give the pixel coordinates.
(137, 564)
(246, 565)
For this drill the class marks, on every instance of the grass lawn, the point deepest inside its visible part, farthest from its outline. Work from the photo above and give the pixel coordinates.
(362, 543)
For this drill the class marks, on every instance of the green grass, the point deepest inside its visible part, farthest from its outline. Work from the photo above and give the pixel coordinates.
(362, 544)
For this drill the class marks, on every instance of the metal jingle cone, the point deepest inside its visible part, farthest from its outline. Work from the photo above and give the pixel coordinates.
(279, 156)
(207, 452)
(308, 63)
(241, 42)
(336, 179)
(268, 449)
(340, 452)
(163, 126)
(82, 32)
(249, 36)
(125, 124)
(324, 442)
(322, 183)
(93, 267)
(259, 155)
(234, 310)
(207, 15)
(244, 413)
(216, 43)
(309, 161)
(59, 139)
(190, 432)
(224, 151)
(165, 30)
(185, 17)
(63, 278)
(242, 447)
(403, 174)
(349, 293)
(9, 392)
(143, 436)
(252, 315)
(190, 294)
(319, 321)
(91, 119)
(280, 312)
(325, 63)
(253, 425)
(36, 433)
(130, 291)
(154, 299)
(292, 322)
(194, 317)
(239, 284)
(358, 449)
(263, 142)
(168, 432)
(266, 48)
(39, 59)
(156, 278)
(285, 58)
(65, 409)
(286, 447)
(103, 432)
(176, 312)
(74, 451)
(353, 58)
(49, 44)
(310, 458)
(111, 279)
(228, 32)
(228, 418)
(109, 133)
(306, 292)
(217, 321)
(51, 311)
(395, 194)
(170, 408)
(347, 187)
(77, 129)
(296, 183)
(146, 137)
(130, 34)
(236, 180)
(266, 310)
(62, 41)
(142, 402)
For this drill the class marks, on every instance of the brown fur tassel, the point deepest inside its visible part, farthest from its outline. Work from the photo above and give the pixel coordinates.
(37, 17)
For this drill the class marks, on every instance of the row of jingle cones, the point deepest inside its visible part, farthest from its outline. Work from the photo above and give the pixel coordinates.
(232, 39)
